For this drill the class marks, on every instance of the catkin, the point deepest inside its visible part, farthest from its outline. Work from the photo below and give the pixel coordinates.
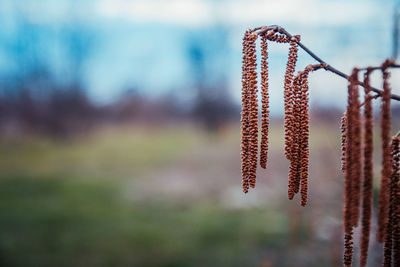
(264, 103)
(289, 95)
(253, 115)
(356, 164)
(249, 112)
(368, 172)
(353, 165)
(392, 224)
(294, 177)
(384, 194)
(352, 184)
(245, 113)
(304, 135)
(348, 172)
(299, 160)
(395, 200)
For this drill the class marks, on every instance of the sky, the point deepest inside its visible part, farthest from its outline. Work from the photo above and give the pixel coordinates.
(147, 44)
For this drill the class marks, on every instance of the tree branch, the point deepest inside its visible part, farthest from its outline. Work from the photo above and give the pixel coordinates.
(323, 64)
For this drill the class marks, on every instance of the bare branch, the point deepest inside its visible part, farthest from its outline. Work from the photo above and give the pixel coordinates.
(323, 64)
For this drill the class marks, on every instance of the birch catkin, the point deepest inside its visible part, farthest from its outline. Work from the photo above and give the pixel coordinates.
(289, 95)
(245, 113)
(356, 151)
(383, 208)
(368, 172)
(391, 245)
(352, 163)
(294, 166)
(264, 103)
(395, 200)
(253, 112)
(249, 112)
(299, 150)
(304, 135)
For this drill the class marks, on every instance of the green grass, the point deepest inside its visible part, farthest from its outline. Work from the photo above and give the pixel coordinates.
(117, 153)
(68, 222)
(78, 203)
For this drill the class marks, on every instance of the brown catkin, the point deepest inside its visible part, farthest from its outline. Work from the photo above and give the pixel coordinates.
(294, 177)
(348, 249)
(245, 113)
(392, 223)
(352, 183)
(384, 193)
(356, 158)
(304, 135)
(348, 173)
(368, 172)
(264, 103)
(395, 200)
(289, 95)
(343, 130)
(298, 169)
(253, 114)
(350, 170)
(295, 161)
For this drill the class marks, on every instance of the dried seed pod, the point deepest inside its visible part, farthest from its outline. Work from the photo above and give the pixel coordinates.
(368, 172)
(264, 103)
(383, 208)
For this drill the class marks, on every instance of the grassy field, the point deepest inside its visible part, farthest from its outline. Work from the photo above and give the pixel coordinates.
(162, 197)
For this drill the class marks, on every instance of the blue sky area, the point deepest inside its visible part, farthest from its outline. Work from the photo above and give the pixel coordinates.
(158, 46)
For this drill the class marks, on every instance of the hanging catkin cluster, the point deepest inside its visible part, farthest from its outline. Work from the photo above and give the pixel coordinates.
(389, 195)
(296, 114)
(356, 141)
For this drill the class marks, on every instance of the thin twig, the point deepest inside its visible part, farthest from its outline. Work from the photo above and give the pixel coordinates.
(326, 66)
(394, 66)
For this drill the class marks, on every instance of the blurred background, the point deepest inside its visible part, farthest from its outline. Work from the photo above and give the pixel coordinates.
(120, 135)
